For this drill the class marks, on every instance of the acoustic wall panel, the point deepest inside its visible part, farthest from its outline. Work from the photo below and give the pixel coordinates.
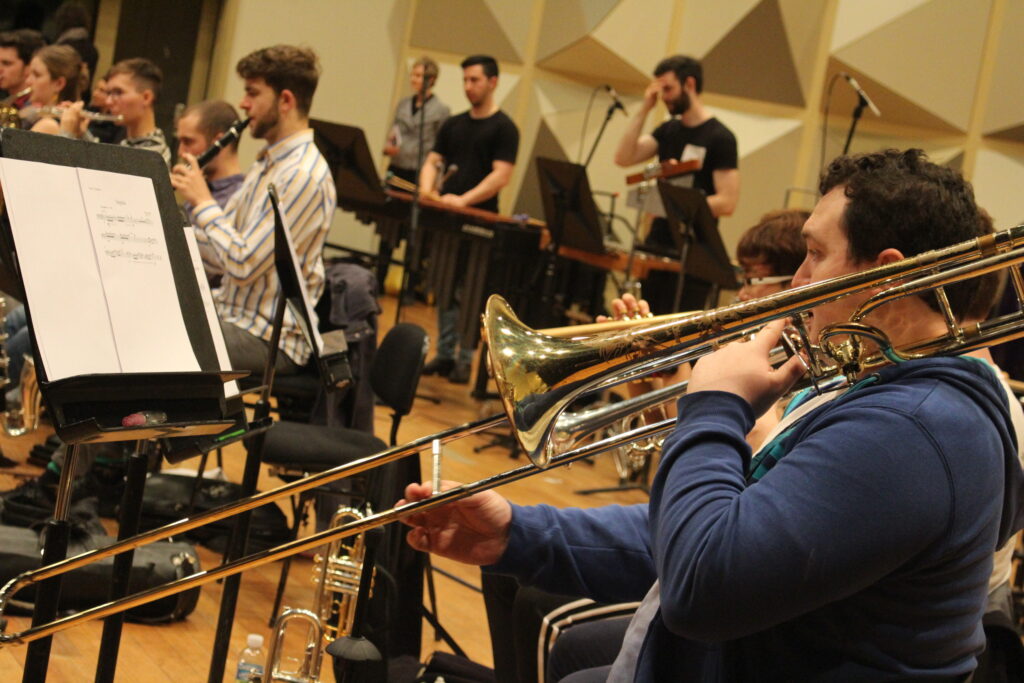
(929, 56)
(998, 177)
(1004, 116)
(759, 41)
(856, 19)
(706, 23)
(471, 27)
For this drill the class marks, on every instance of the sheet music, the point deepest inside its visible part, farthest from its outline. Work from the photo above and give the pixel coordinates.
(315, 333)
(135, 269)
(223, 359)
(52, 234)
(652, 199)
(96, 270)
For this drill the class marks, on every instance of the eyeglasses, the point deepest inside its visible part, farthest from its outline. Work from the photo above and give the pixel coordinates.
(767, 280)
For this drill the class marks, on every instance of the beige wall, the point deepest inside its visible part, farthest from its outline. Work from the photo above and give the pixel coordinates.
(944, 73)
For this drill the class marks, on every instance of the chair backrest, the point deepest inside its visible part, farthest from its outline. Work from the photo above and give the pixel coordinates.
(396, 368)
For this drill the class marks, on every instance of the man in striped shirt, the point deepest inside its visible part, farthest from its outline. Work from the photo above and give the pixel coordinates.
(279, 86)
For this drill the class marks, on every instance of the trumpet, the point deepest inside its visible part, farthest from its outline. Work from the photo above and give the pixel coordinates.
(336, 574)
(538, 376)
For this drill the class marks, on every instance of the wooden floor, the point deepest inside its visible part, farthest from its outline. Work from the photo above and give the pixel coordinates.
(179, 652)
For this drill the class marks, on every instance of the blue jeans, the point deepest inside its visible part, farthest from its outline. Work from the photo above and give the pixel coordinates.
(447, 337)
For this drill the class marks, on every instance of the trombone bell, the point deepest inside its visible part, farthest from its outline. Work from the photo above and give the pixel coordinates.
(538, 375)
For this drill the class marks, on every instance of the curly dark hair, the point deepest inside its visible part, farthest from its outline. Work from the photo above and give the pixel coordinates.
(683, 67)
(901, 200)
(285, 67)
(776, 241)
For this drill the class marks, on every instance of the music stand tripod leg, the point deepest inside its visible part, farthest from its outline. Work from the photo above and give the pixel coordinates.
(239, 538)
(128, 526)
(37, 657)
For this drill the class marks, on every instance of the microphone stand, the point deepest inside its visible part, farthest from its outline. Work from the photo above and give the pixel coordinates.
(857, 111)
(629, 285)
(411, 241)
(604, 124)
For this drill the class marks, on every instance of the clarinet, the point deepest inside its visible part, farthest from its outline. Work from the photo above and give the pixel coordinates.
(229, 136)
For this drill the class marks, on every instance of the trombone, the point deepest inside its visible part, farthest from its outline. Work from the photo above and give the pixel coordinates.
(539, 375)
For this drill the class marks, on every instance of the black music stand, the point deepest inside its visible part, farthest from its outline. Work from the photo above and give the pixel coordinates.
(89, 408)
(571, 215)
(332, 368)
(348, 156)
(569, 209)
(695, 232)
(360, 191)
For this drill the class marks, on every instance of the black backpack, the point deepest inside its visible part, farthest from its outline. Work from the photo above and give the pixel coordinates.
(166, 499)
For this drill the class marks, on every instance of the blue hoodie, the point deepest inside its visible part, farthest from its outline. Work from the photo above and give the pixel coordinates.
(863, 555)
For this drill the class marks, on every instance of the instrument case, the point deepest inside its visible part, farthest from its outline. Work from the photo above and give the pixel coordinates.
(152, 565)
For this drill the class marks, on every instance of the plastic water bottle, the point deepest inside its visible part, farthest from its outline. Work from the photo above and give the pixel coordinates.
(250, 662)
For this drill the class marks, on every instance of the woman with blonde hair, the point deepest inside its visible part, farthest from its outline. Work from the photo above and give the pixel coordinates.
(56, 75)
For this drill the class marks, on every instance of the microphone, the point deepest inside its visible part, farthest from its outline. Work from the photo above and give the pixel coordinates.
(856, 87)
(229, 136)
(615, 96)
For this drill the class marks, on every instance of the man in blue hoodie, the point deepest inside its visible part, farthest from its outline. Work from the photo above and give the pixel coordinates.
(856, 545)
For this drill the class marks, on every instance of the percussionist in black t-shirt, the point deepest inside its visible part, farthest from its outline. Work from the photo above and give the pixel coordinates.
(691, 133)
(478, 150)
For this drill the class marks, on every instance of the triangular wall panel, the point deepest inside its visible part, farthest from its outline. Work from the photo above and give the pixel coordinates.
(594, 62)
(858, 18)
(567, 21)
(479, 32)
(1005, 111)
(894, 107)
(993, 173)
(706, 23)
(930, 56)
(759, 41)
(514, 19)
(638, 32)
(1011, 134)
(803, 22)
(764, 176)
(754, 131)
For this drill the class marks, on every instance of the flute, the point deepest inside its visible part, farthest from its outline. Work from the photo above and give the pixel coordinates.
(52, 110)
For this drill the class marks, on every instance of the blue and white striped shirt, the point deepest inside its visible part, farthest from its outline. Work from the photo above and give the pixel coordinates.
(239, 237)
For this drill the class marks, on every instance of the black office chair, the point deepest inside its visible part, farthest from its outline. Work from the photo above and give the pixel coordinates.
(296, 449)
